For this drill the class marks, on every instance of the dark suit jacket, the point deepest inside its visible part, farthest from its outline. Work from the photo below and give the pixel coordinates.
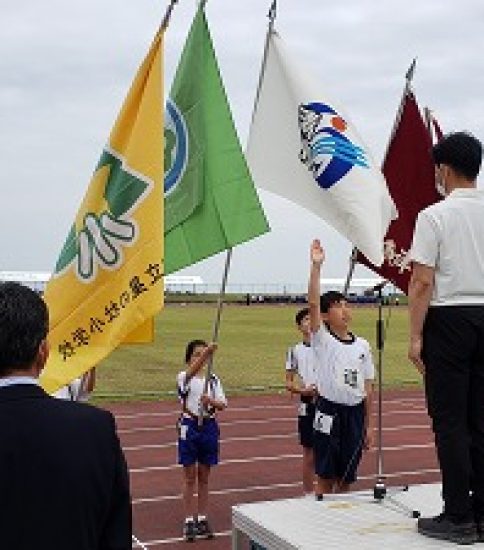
(63, 477)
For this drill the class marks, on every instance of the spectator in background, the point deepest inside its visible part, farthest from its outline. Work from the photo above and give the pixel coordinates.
(79, 389)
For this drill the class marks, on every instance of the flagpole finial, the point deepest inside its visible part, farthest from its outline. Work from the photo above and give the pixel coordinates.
(411, 70)
(166, 18)
(272, 13)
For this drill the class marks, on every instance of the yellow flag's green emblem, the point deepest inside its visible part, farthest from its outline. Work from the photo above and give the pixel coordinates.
(104, 224)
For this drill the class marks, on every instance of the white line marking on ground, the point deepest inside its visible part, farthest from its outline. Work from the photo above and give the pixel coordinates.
(181, 539)
(263, 437)
(268, 459)
(253, 421)
(174, 412)
(256, 488)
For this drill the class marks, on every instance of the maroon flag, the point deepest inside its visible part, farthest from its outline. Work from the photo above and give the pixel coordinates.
(410, 176)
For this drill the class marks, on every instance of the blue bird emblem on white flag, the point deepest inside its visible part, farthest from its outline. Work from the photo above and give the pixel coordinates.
(325, 150)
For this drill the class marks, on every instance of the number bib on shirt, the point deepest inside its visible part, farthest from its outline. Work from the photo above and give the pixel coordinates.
(349, 378)
(323, 422)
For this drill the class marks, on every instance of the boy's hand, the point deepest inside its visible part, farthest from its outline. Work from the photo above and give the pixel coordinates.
(317, 252)
(206, 400)
(309, 391)
(212, 348)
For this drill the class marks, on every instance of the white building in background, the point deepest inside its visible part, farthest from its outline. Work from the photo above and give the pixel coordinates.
(194, 284)
(359, 286)
(37, 280)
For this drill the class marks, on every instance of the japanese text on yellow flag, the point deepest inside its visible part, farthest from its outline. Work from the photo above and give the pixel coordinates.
(108, 279)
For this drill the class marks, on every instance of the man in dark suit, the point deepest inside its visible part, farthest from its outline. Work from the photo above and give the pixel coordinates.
(63, 477)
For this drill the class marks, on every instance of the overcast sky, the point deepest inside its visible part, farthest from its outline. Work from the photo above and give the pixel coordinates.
(65, 68)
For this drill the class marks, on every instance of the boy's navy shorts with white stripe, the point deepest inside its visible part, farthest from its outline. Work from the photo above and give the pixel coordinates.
(198, 443)
(338, 439)
(305, 421)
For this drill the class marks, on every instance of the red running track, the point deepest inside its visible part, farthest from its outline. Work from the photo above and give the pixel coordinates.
(260, 460)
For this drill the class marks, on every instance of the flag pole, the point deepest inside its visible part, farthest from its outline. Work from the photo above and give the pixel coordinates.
(272, 14)
(353, 262)
(166, 19)
(406, 90)
(220, 301)
(216, 327)
(164, 25)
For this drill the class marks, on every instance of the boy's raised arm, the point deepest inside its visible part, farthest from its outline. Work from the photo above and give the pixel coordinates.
(317, 256)
(200, 361)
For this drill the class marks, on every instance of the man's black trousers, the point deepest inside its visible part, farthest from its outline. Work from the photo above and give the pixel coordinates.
(453, 354)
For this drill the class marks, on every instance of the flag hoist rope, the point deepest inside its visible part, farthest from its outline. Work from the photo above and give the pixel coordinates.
(218, 315)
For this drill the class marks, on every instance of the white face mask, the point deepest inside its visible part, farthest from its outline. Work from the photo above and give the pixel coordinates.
(439, 184)
(440, 188)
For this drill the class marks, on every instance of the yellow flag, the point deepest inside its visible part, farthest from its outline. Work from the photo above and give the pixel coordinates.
(108, 279)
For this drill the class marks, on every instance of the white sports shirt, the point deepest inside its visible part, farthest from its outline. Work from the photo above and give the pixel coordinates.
(74, 391)
(341, 367)
(192, 391)
(300, 359)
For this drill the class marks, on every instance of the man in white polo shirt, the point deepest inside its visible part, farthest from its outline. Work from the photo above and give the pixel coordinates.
(446, 308)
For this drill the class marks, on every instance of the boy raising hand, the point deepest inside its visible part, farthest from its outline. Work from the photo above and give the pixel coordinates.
(344, 374)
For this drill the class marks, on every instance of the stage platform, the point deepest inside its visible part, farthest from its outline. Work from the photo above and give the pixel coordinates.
(354, 520)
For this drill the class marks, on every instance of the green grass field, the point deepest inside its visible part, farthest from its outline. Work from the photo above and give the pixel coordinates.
(252, 348)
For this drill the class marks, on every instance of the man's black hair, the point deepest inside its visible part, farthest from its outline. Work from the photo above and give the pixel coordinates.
(329, 298)
(301, 314)
(24, 323)
(191, 348)
(462, 152)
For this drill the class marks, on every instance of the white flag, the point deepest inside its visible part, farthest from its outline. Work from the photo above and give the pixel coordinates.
(303, 148)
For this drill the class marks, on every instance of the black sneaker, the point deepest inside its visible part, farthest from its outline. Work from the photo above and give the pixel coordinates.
(443, 528)
(204, 530)
(189, 531)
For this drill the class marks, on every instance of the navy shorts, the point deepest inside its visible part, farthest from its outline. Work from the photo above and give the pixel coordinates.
(338, 439)
(198, 443)
(305, 421)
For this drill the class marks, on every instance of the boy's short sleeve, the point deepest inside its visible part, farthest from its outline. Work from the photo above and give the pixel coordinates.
(182, 385)
(291, 360)
(218, 390)
(368, 365)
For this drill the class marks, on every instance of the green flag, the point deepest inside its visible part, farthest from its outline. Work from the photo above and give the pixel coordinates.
(210, 200)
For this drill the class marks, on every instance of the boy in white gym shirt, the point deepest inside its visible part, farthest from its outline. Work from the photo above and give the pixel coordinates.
(198, 438)
(344, 374)
(300, 381)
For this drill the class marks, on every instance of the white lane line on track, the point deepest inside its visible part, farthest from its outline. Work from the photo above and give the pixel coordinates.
(177, 411)
(159, 542)
(403, 400)
(271, 459)
(254, 421)
(221, 424)
(263, 437)
(275, 486)
(222, 441)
